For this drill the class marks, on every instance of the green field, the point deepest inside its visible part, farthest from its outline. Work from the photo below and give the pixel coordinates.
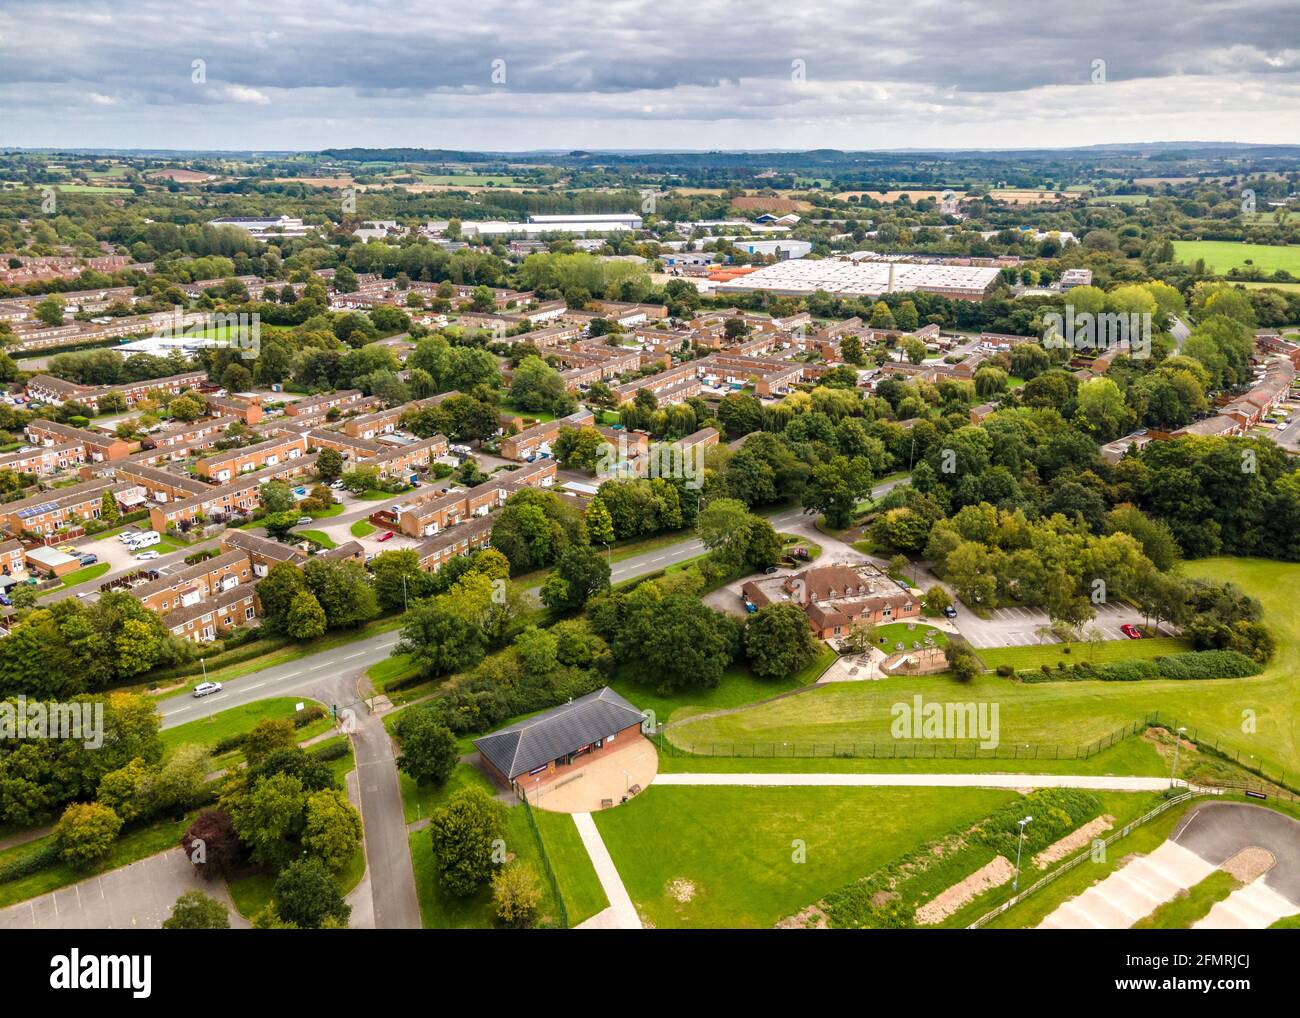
(1065, 713)
(726, 857)
(468, 179)
(1051, 654)
(1222, 255)
(441, 911)
(211, 730)
(579, 886)
(362, 528)
(1288, 287)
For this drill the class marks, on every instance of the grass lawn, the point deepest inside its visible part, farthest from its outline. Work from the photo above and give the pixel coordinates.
(211, 730)
(889, 636)
(84, 575)
(579, 886)
(1050, 654)
(362, 528)
(319, 536)
(1222, 255)
(726, 857)
(420, 801)
(381, 673)
(1190, 905)
(739, 686)
(441, 911)
(1067, 713)
(335, 509)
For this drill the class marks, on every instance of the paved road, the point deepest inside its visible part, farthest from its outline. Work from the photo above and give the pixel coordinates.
(1116, 783)
(1219, 830)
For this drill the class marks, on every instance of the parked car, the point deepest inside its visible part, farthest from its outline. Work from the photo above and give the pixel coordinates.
(146, 555)
(89, 559)
(387, 535)
(4, 600)
(950, 612)
(770, 570)
(303, 521)
(1131, 631)
(207, 688)
(336, 485)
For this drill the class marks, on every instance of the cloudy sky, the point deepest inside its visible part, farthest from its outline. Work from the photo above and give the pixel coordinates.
(667, 74)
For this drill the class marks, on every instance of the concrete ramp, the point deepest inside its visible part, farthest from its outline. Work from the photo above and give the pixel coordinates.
(1132, 891)
(1253, 907)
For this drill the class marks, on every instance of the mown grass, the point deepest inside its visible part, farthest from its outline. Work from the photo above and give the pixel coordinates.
(1190, 905)
(1052, 654)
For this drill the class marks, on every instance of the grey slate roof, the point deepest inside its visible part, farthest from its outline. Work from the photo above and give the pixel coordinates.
(550, 735)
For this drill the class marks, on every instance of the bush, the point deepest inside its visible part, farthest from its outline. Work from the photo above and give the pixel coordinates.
(1191, 665)
(43, 856)
(1006, 671)
(333, 750)
(307, 715)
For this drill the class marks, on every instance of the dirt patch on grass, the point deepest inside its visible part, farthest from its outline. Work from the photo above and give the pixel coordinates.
(681, 890)
(1075, 840)
(1249, 864)
(946, 903)
(810, 918)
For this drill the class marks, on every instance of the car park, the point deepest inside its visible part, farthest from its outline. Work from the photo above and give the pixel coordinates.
(207, 688)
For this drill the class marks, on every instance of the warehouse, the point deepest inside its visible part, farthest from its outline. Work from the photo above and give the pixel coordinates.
(801, 276)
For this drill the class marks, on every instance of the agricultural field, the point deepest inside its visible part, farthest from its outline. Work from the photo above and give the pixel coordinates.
(1222, 255)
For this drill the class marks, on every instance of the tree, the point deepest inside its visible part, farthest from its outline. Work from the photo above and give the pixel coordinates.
(581, 573)
(343, 590)
(108, 510)
(398, 578)
(329, 464)
(778, 641)
(269, 817)
(128, 791)
(306, 618)
(536, 385)
(465, 834)
(236, 378)
(85, 833)
(835, 487)
(439, 637)
(275, 497)
(50, 311)
(333, 831)
(186, 407)
(276, 592)
(600, 525)
(212, 845)
(345, 280)
(194, 910)
(266, 737)
(516, 895)
(361, 479)
(936, 600)
(309, 897)
(429, 751)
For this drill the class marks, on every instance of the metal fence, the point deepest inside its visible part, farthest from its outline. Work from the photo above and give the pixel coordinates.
(1083, 856)
(899, 749)
(546, 863)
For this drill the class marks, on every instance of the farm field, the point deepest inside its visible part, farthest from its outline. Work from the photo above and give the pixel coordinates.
(724, 857)
(1222, 255)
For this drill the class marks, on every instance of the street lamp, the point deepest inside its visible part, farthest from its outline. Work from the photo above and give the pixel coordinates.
(203, 664)
(1177, 742)
(1015, 884)
(405, 605)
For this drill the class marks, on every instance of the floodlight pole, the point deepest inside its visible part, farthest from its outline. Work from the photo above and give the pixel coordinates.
(1015, 884)
(1177, 742)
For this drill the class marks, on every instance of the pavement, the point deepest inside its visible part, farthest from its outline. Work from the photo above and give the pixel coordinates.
(138, 896)
(1013, 627)
(621, 914)
(608, 777)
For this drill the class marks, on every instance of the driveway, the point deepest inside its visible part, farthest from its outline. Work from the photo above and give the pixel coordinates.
(1013, 627)
(139, 896)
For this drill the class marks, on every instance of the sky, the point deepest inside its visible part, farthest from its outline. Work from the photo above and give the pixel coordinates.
(502, 75)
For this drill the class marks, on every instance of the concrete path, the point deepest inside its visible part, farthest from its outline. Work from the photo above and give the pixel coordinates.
(621, 914)
(1134, 890)
(1107, 782)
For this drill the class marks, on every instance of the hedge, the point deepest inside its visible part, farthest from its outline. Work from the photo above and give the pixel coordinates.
(1197, 664)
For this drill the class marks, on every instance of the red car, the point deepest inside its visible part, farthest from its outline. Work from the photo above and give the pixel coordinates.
(387, 535)
(1131, 631)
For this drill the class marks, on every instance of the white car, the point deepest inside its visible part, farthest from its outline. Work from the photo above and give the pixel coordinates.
(145, 555)
(303, 521)
(204, 688)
